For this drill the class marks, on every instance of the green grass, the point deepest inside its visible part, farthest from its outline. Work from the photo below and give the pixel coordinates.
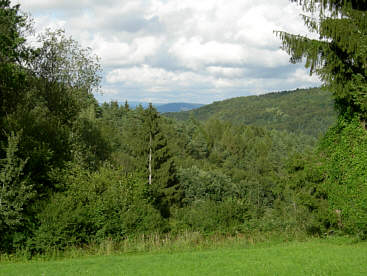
(313, 257)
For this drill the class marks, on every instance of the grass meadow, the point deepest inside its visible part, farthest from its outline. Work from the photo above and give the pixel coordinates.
(234, 256)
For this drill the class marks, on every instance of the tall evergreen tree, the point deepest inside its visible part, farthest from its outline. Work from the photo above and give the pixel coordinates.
(158, 164)
(339, 55)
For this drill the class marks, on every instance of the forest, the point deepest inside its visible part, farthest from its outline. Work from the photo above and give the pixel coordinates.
(304, 111)
(76, 172)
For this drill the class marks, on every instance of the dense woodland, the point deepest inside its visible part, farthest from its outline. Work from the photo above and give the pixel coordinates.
(75, 172)
(304, 111)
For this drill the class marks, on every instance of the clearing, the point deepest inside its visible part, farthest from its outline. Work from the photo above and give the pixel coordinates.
(314, 257)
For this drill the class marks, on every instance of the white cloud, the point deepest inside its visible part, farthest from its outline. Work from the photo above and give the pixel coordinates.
(109, 91)
(156, 79)
(115, 52)
(220, 83)
(194, 54)
(300, 75)
(227, 72)
(182, 50)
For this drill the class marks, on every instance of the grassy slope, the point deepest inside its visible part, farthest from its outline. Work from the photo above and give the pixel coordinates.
(307, 111)
(315, 257)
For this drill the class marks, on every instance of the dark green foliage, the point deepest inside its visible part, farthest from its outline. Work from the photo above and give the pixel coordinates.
(221, 166)
(13, 77)
(95, 206)
(306, 111)
(16, 192)
(345, 151)
(209, 216)
(45, 103)
(89, 145)
(301, 199)
(156, 162)
(255, 168)
(212, 185)
(339, 55)
(75, 172)
(43, 93)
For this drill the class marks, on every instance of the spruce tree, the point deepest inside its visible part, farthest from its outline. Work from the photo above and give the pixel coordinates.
(339, 55)
(157, 163)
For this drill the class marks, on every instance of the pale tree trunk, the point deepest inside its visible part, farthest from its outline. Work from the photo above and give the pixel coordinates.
(363, 123)
(150, 159)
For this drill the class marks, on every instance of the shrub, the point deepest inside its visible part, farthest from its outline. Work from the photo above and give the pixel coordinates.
(213, 185)
(96, 206)
(208, 216)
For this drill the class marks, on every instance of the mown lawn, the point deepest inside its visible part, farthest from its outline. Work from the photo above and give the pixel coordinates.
(315, 257)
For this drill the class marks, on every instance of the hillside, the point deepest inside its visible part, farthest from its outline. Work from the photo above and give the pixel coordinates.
(307, 111)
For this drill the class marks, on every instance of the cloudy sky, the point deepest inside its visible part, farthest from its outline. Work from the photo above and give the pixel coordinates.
(196, 51)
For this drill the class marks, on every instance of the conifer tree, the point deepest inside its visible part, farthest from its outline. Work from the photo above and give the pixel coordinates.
(339, 55)
(126, 106)
(158, 164)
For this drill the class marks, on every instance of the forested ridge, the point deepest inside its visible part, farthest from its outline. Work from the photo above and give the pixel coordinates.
(307, 111)
(74, 172)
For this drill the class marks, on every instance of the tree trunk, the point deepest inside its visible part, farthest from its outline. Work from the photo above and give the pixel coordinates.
(363, 123)
(150, 159)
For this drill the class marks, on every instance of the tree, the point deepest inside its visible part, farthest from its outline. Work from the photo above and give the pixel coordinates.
(158, 165)
(60, 77)
(339, 55)
(13, 54)
(16, 191)
(66, 74)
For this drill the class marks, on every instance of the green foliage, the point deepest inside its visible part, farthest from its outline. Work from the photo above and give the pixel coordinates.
(12, 25)
(75, 172)
(156, 161)
(89, 145)
(345, 152)
(339, 55)
(212, 185)
(95, 206)
(301, 200)
(16, 192)
(304, 111)
(209, 216)
(43, 94)
(61, 60)
(13, 52)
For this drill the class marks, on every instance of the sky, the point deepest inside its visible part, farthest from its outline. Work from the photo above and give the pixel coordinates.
(196, 51)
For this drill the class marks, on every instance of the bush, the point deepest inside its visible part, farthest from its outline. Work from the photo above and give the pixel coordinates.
(16, 195)
(213, 185)
(208, 216)
(96, 206)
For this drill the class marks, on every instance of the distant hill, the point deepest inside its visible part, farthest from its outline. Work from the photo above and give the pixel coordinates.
(307, 111)
(169, 107)
(176, 107)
